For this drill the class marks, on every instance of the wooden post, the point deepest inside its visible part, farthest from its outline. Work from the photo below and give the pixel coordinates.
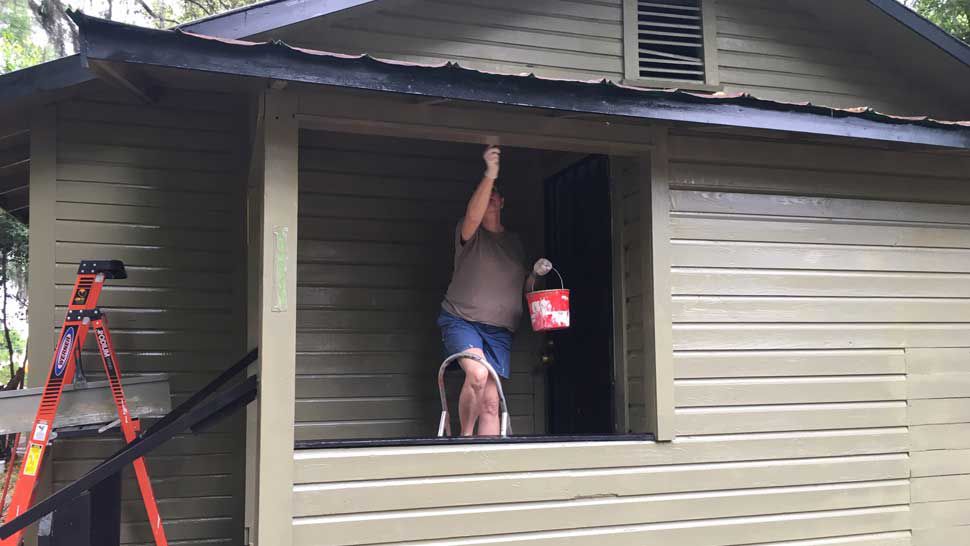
(658, 376)
(40, 265)
(620, 174)
(277, 319)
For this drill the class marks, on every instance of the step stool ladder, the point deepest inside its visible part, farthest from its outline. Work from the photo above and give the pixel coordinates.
(444, 424)
(83, 315)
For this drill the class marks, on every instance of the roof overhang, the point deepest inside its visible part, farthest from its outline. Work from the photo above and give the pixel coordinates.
(265, 16)
(43, 78)
(956, 48)
(272, 14)
(109, 42)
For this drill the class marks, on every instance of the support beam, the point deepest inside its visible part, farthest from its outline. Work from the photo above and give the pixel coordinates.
(126, 79)
(40, 266)
(454, 122)
(621, 169)
(658, 373)
(147, 396)
(277, 319)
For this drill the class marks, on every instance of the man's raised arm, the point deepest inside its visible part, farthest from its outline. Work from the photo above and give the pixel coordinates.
(479, 200)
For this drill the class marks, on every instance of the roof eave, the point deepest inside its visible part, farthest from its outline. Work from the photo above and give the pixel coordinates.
(104, 41)
(953, 46)
(265, 16)
(43, 78)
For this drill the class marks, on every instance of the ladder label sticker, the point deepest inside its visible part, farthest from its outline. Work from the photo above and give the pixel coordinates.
(32, 462)
(40, 431)
(105, 351)
(81, 296)
(64, 351)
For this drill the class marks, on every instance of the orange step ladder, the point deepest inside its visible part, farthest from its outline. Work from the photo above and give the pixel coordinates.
(83, 315)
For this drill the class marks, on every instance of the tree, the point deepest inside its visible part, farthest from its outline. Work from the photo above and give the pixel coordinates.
(13, 288)
(18, 18)
(17, 49)
(952, 16)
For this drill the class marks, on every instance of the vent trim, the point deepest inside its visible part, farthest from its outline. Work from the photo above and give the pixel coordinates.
(670, 41)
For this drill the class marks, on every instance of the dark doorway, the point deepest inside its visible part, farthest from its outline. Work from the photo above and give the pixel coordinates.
(578, 241)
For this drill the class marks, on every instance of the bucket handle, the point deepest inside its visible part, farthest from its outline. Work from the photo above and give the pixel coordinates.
(532, 281)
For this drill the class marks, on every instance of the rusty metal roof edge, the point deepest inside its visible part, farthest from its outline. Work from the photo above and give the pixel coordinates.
(732, 98)
(117, 42)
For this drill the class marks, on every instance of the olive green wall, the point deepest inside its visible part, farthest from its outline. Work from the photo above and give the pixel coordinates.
(159, 187)
(819, 307)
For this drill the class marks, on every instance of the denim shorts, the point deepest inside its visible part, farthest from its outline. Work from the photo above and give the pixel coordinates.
(459, 334)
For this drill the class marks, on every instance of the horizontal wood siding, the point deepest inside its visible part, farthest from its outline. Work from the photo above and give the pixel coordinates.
(786, 51)
(158, 187)
(553, 38)
(939, 417)
(783, 487)
(796, 305)
(377, 224)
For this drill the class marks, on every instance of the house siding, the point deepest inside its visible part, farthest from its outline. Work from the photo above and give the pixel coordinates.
(555, 38)
(939, 417)
(159, 187)
(377, 222)
(786, 51)
(782, 51)
(819, 298)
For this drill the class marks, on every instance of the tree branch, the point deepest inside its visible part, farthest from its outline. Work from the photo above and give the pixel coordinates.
(151, 13)
(3, 313)
(203, 9)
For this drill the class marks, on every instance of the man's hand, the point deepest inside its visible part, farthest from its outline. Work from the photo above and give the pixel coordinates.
(492, 156)
(478, 204)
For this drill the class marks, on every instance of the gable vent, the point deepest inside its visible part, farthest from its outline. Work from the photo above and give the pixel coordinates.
(670, 40)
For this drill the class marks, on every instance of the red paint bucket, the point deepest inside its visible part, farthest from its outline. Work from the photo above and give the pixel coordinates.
(549, 309)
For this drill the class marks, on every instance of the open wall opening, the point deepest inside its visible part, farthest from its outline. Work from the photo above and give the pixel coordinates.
(377, 220)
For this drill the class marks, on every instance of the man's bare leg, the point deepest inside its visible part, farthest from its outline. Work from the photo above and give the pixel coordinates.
(472, 392)
(488, 420)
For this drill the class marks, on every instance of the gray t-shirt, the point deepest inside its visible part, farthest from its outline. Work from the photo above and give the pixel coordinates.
(488, 279)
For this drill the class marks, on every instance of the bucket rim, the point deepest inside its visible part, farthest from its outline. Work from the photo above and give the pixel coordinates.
(548, 290)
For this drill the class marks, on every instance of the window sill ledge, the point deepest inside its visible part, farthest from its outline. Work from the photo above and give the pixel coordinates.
(473, 440)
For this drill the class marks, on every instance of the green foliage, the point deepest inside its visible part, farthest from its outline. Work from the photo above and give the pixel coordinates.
(23, 20)
(19, 346)
(17, 49)
(13, 289)
(951, 15)
(13, 243)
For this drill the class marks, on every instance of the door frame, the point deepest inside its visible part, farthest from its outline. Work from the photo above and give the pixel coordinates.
(618, 383)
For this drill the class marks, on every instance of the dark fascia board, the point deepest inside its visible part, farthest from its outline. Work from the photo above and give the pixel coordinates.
(265, 16)
(952, 45)
(115, 42)
(43, 78)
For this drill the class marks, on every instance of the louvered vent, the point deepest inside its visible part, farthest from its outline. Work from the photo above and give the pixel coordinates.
(670, 40)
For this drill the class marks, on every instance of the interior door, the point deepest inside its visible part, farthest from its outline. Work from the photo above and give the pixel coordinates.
(578, 241)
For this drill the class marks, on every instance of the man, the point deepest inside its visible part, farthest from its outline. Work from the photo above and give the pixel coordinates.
(483, 305)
